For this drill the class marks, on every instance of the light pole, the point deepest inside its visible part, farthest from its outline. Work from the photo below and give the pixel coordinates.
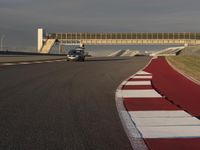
(2, 38)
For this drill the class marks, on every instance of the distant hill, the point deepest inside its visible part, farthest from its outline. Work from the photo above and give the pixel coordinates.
(191, 51)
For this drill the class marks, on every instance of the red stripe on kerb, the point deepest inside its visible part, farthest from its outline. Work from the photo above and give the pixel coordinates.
(136, 87)
(174, 144)
(147, 104)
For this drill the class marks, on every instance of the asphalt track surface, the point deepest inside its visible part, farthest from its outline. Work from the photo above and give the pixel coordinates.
(64, 105)
(24, 58)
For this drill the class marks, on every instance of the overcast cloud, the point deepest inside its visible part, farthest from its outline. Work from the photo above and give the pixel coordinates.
(19, 19)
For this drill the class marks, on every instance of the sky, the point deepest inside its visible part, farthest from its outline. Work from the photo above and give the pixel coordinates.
(19, 19)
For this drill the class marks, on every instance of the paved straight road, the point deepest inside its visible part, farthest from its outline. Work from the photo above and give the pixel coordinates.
(64, 105)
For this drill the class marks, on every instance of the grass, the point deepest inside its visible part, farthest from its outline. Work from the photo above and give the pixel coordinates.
(189, 65)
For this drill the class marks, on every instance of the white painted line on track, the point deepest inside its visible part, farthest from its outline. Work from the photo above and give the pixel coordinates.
(24, 63)
(59, 60)
(119, 93)
(170, 132)
(37, 62)
(140, 94)
(31, 62)
(49, 61)
(142, 77)
(182, 121)
(132, 132)
(161, 114)
(138, 83)
(8, 64)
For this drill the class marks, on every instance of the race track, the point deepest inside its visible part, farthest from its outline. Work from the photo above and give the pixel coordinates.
(64, 105)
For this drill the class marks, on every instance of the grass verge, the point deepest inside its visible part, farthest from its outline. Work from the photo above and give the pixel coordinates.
(189, 65)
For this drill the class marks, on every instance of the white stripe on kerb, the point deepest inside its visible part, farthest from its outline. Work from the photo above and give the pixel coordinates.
(123, 83)
(166, 124)
(143, 72)
(140, 93)
(138, 83)
(142, 77)
(182, 121)
(170, 132)
(155, 57)
(161, 114)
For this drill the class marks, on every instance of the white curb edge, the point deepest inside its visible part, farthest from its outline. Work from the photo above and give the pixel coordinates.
(132, 132)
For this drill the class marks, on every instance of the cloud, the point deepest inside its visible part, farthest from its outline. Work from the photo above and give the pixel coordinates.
(20, 18)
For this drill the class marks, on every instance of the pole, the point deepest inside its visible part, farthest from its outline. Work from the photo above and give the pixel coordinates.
(59, 48)
(2, 38)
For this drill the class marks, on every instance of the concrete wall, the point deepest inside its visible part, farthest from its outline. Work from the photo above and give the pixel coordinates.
(40, 39)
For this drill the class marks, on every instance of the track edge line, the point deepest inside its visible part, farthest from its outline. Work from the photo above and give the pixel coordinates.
(137, 142)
